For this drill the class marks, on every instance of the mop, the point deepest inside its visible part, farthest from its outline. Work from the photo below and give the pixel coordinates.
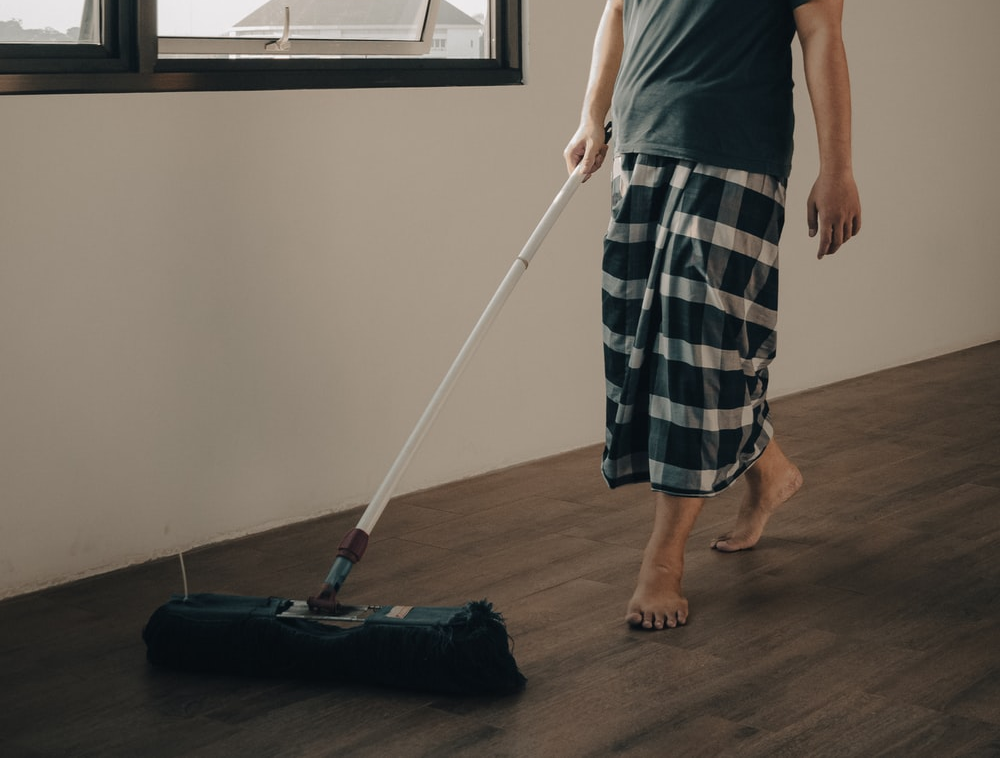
(461, 650)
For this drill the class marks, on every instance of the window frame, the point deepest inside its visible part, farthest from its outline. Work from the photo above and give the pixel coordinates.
(128, 61)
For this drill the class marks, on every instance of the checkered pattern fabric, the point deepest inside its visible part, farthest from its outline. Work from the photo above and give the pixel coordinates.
(690, 307)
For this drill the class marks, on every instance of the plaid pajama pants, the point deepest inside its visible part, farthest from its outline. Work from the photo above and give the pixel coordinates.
(690, 299)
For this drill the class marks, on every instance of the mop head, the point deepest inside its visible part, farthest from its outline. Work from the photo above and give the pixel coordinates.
(461, 650)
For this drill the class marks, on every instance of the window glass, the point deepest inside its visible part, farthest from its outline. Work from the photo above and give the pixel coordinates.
(49, 22)
(323, 28)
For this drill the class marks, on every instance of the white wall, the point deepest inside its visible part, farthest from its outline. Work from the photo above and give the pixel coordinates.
(922, 278)
(221, 312)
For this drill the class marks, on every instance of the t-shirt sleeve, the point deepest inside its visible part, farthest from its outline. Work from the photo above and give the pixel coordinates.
(793, 4)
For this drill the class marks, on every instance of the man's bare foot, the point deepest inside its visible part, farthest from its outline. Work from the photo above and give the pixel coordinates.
(771, 482)
(657, 601)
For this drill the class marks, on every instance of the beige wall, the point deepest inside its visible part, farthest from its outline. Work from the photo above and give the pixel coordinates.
(220, 312)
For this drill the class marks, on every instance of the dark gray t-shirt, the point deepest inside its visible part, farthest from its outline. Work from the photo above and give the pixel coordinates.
(708, 81)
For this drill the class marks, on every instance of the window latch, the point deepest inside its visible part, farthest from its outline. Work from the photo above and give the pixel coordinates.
(283, 43)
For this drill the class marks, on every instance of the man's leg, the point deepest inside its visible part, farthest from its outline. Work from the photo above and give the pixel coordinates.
(771, 481)
(658, 600)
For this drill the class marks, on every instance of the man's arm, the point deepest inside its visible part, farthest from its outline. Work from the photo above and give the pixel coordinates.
(834, 209)
(587, 145)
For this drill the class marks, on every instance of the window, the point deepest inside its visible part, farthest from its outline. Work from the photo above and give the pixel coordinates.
(171, 45)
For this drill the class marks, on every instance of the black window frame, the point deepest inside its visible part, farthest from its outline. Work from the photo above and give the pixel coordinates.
(128, 61)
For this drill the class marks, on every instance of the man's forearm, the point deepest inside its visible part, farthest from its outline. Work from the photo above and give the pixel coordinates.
(607, 56)
(828, 80)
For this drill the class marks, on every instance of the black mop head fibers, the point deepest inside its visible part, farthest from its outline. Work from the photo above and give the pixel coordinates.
(461, 650)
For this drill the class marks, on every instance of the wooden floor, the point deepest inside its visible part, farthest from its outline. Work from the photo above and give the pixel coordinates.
(865, 623)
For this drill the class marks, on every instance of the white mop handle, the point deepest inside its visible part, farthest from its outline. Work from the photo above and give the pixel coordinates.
(388, 486)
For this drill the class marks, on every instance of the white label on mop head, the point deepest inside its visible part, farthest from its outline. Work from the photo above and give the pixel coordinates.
(398, 612)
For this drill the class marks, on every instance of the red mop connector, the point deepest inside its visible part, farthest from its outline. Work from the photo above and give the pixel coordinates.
(351, 549)
(353, 546)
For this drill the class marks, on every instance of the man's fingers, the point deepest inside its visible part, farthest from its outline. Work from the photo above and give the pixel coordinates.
(848, 232)
(833, 238)
(825, 242)
(573, 156)
(593, 159)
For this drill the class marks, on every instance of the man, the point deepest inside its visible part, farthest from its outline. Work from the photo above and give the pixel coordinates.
(700, 93)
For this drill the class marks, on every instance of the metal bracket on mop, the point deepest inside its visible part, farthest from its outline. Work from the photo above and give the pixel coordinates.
(344, 615)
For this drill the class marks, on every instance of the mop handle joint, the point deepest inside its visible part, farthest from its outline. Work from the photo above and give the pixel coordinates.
(353, 546)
